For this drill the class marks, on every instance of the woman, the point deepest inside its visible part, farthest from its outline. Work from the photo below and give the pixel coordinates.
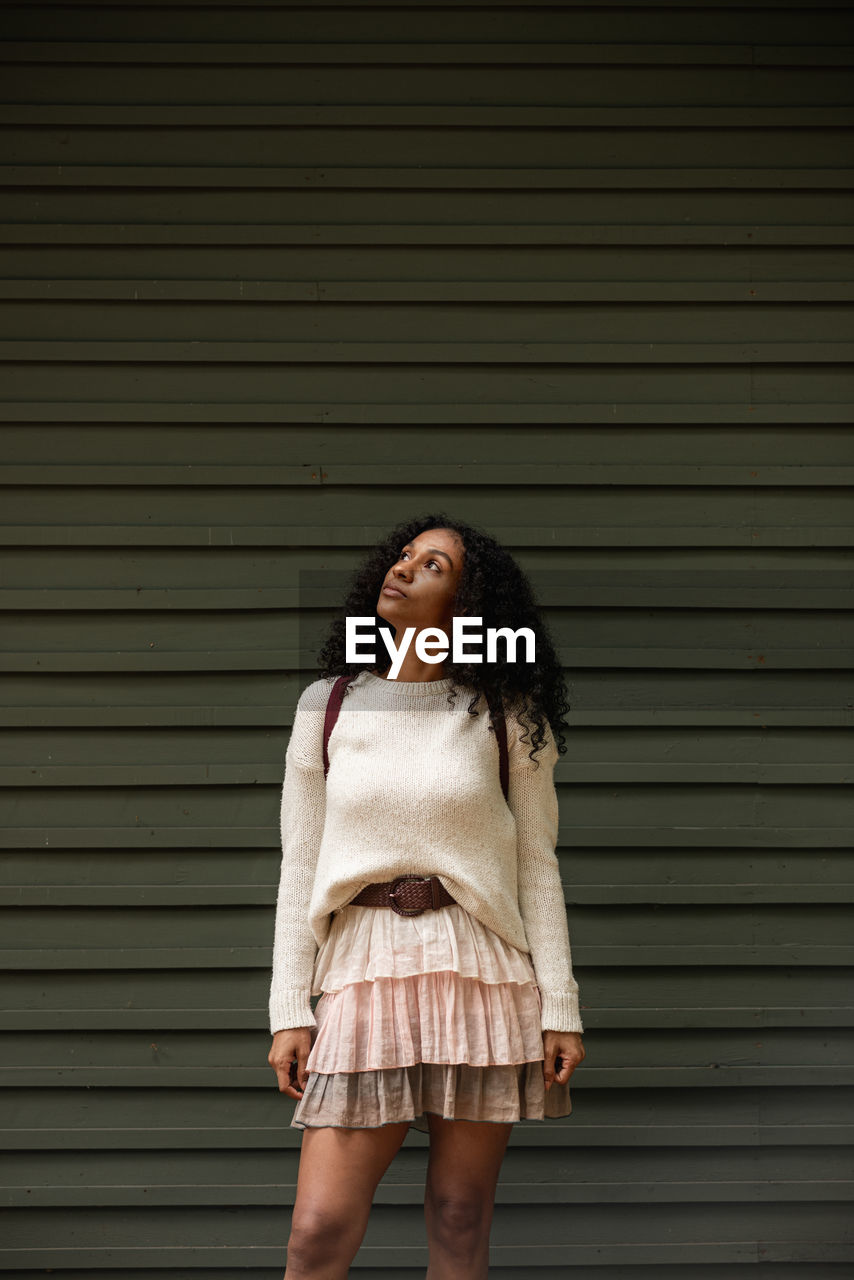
(462, 1018)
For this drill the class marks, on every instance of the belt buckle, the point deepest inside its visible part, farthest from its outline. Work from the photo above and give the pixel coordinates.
(401, 911)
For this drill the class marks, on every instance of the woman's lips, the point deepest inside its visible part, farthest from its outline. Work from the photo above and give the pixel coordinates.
(393, 591)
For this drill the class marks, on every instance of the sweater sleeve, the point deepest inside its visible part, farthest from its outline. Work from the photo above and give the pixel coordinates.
(302, 818)
(532, 799)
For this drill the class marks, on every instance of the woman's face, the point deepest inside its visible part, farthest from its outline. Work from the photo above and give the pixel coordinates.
(427, 572)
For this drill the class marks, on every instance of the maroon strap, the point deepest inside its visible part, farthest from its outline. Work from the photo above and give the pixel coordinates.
(333, 706)
(503, 758)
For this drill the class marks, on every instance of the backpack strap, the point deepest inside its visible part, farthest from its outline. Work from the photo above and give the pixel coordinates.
(333, 706)
(503, 756)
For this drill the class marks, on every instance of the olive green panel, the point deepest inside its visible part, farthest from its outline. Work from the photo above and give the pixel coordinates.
(673, 997)
(643, 696)
(235, 1114)
(267, 1176)
(100, 329)
(118, 330)
(735, 639)
(160, 756)
(720, 510)
(659, 457)
(614, 269)
(748, 158)
(366, 1270)
(565, 81)
(153, 937)
(418, 392)
(531, 213)
(637, 1058)
(440, 115)
(391, 19)
(732, 23)
(591, 875)
(205, 1236)
(361, 1270)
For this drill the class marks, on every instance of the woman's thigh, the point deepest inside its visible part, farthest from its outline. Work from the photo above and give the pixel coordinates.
(339, 1169)
(465, 1159)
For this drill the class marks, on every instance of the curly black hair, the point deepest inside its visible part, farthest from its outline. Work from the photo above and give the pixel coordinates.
(491, 587)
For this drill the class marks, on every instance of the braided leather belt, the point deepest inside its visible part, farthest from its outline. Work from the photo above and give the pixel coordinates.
(407, 895)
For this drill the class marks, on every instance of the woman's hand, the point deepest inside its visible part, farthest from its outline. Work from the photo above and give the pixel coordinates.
(565, 1045)
(294, 1043)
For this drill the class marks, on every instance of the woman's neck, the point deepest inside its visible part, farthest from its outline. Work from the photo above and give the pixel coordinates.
(415, 672)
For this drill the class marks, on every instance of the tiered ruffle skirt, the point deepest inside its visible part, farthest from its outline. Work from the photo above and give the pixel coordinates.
(428, 1013)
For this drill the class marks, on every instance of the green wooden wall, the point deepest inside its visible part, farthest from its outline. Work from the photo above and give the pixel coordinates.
(273, 277)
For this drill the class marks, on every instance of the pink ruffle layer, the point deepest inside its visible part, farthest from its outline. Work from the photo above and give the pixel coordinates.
(424, 1013)
(429, 1017)
(368, 1099)
(365, 943)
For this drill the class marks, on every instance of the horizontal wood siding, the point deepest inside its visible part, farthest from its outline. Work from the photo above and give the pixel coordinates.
(272, 278)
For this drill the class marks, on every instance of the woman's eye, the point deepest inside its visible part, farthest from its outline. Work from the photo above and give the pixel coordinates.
(435, 562)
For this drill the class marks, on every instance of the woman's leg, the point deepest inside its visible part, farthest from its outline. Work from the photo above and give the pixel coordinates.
(462, 1173)
(338, 1174)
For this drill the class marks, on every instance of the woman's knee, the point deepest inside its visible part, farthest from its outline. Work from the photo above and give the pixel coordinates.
(318, 1235)
(459, 1219)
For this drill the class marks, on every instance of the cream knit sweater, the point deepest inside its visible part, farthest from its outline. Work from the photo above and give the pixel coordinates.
(414, 787)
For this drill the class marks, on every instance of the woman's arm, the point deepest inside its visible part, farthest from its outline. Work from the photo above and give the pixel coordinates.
(533, 801)
(302, 818)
